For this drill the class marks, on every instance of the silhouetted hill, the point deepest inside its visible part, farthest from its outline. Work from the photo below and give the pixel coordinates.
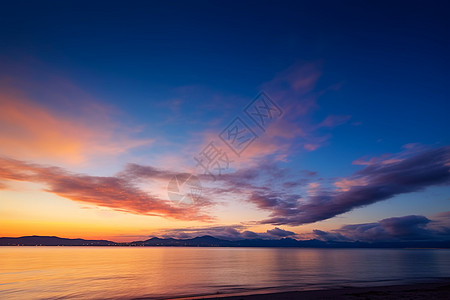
(210, 241)
(51, 241)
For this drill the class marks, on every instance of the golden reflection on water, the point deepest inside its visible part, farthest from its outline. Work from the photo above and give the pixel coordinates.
(126, 272)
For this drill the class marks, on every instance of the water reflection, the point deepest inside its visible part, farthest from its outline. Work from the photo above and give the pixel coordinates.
(115, 272)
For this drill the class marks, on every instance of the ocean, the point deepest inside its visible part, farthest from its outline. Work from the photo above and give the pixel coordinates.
(168, 272)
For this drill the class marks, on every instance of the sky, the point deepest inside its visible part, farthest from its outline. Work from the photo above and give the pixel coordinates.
(252, 119)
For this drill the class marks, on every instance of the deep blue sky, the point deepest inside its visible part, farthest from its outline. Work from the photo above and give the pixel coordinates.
(388, 54)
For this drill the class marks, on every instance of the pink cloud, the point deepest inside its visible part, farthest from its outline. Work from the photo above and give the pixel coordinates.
(373, 183)
(311, 147)
(313, 188)
(334, 120)
(346, 184)
(389, 158)
(31, 130)
(119, 192)
(293, 131)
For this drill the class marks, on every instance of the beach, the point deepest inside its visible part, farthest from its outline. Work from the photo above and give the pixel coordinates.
(417, 291)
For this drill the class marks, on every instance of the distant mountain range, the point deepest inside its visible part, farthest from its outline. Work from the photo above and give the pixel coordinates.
(209, 241)
(36, 240)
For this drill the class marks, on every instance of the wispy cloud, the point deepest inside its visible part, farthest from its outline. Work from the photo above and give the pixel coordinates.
(295, 198)
(376, 182)
(388, 158)
(334, 120)
(81, 129)
(120, 192)
(295, 91)
(396, 229)
(406, 228)
(229, 232)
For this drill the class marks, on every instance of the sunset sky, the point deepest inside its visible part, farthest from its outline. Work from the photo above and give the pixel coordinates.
(101, 105)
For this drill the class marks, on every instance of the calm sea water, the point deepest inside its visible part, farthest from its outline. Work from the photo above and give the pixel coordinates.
(123, 272)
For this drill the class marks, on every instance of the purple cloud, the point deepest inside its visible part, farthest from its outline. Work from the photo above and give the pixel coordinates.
(376, 182)
(231, 232)
(280, 232)
(407, 228)
(119, 192)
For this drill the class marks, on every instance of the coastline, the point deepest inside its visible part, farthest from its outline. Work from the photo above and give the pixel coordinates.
(415, 291)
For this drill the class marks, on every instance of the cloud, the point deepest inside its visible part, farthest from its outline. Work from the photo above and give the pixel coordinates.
(345, 184)
(294, 90)
(397, 229)
(313, 188)
(295, 198)
(230, 232)
(300, 78)
(329, 236)
(383, 159)
(135, 171)
(406, 228)
(67, 126)
(120, 192)
(280, 232)
(376, 182)
(311, 147)
(334, 120)
(388, 158)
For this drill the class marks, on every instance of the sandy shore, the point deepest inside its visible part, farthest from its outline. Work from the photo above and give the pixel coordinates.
(428, 291)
